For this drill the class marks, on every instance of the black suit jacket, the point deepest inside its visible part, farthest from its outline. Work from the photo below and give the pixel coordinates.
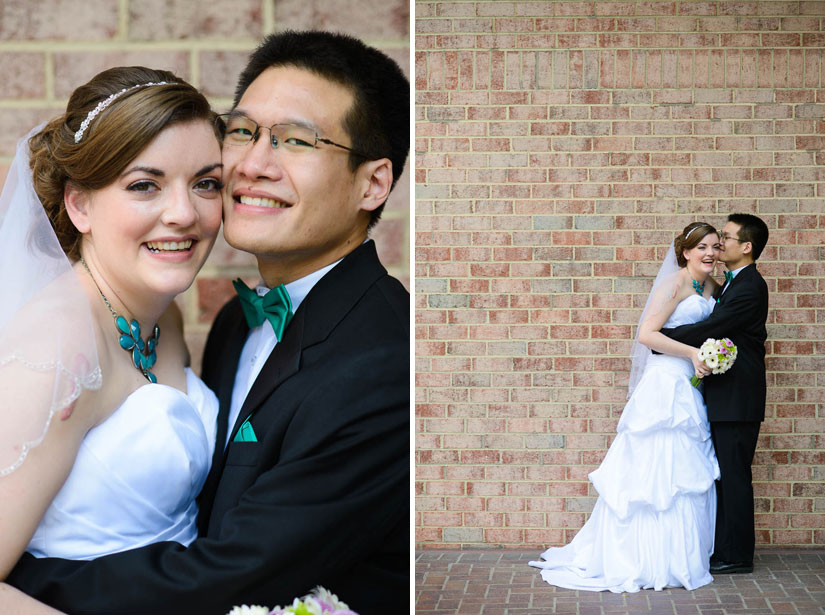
(321, 499)
(740, 314)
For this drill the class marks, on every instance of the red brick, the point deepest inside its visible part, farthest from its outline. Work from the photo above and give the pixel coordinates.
(57, 20)
(505, 504)
(739, 8)
(697, 8)
(177, 19)
(73, 68)
(796, 537)
(765, 68)
(22, 74)
(812, 68)
(212, 295)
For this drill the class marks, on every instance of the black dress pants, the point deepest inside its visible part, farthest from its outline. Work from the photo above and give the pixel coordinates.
(735, 444)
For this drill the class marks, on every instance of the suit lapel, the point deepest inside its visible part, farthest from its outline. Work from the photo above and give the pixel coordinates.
(236, 335)
(329, 301)
(235, 332)
(745, 273)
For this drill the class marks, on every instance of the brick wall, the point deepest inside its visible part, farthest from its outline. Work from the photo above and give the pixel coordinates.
(49, 47)
(560, 146)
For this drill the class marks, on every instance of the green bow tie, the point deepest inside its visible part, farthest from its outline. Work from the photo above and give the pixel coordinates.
(728, 276)
(275, 306)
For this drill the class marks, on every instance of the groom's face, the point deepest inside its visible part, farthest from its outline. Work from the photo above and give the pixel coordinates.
(733, 249)
(298, 210)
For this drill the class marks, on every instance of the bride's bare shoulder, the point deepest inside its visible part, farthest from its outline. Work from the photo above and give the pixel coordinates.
(676, 287)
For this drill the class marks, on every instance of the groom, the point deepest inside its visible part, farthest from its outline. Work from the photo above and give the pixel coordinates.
(736, 399)
(310, 479)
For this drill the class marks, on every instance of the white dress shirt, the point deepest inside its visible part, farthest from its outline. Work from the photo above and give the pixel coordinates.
(261, 341)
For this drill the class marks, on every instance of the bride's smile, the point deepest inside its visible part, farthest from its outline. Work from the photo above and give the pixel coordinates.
(702, 258)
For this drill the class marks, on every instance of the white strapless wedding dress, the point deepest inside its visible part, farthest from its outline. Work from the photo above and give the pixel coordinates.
(653, 524)
(136, 476)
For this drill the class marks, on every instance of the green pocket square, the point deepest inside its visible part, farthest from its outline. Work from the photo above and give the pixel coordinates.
(245, 433)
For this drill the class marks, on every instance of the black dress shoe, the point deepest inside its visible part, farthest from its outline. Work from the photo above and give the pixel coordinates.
(722, 567)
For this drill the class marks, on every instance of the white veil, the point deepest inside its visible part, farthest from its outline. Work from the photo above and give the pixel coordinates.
(48, 354)
(640, 353)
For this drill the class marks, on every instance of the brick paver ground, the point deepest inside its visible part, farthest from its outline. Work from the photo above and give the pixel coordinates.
(499, 582)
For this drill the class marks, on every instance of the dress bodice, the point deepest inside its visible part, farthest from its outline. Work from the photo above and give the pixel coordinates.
(136, 476)
(690, 310)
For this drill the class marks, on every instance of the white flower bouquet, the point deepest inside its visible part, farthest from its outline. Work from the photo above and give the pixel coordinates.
(320, 602)
(718, 355)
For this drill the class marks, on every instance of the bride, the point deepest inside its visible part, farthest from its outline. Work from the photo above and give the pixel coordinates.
(107, 214)
(653, 524)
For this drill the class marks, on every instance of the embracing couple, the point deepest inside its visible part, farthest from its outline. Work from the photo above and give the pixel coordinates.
(675, 501)
(128, 484)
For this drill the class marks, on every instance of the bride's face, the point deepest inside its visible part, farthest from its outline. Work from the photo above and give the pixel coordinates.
(701, 259)
(151, 230)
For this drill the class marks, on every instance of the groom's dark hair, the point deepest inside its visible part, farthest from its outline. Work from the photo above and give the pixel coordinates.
(751, 229)
(378, 123)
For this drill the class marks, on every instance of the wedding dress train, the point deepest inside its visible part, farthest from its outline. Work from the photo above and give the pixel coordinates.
(653, 523)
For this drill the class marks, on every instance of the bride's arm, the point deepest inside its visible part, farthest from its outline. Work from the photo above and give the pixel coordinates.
(26, 492)
(15, 602)
(649, 329)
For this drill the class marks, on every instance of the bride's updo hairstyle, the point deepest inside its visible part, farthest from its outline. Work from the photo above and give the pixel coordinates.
(690, 237)
(91, 144)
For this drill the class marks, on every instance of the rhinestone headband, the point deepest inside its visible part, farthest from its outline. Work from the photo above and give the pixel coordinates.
(693, 229)
(105, 103)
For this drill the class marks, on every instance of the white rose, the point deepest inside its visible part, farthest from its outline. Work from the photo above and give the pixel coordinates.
(249, 610)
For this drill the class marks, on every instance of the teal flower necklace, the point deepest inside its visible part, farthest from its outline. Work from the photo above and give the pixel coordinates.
(699, 288)
(144, 354)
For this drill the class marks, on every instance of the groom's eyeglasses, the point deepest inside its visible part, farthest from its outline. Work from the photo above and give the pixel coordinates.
(240, 130)
(725, 237)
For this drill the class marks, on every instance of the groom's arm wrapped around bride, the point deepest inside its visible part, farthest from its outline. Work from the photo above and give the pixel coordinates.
(740, 315)
(322, 498)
